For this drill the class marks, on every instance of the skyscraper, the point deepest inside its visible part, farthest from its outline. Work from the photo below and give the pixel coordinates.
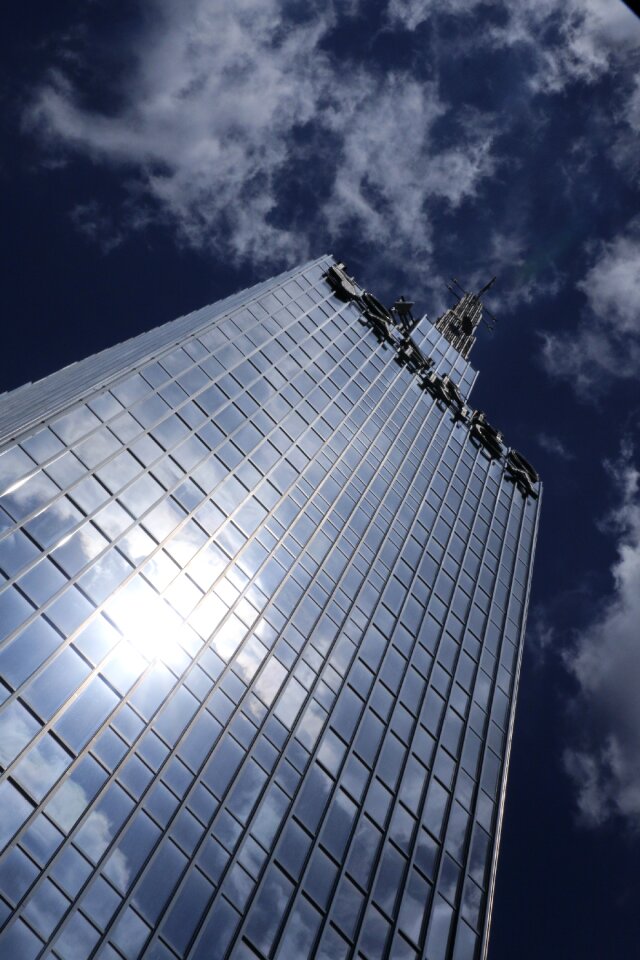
(264, 584)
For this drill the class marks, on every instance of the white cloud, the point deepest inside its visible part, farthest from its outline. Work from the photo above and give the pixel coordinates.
(214, 112)
(625, 144)
(389, 168)
(412, 13)
(577, 40)
(206, 112)
(612, 285)
(592, 35)
(606, 344)
(222, 108)
(555, 446)
(605, 764)
(541, 634)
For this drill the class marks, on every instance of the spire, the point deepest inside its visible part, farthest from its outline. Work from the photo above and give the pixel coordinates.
(459, 323)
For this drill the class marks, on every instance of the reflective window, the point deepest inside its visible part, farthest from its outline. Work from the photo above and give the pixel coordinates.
(269, 601)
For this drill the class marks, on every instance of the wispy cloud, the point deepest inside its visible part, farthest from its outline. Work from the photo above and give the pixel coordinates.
(238, 128)
(606, 345)
(604, 761)
(582, 37)
(224, 108)
(205, 113)
(554, 446)
(97, 225)
(541, 634)
(390, 166)
(625, 142)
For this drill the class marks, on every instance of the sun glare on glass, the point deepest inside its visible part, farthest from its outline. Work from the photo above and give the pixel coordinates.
(146, 621)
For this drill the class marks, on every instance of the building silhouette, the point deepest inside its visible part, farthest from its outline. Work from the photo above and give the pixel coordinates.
(265, 574)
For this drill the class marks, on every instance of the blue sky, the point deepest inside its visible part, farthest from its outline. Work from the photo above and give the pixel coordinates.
(160, 155)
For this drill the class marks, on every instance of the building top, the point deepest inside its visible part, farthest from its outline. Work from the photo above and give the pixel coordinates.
(459, 323)
(443, 372)
(448, 385)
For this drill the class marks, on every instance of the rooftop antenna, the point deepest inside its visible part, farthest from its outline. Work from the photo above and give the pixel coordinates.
(486, 286)
(485, 311)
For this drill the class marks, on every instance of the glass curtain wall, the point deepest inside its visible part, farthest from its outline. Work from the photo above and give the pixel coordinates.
(261, 611)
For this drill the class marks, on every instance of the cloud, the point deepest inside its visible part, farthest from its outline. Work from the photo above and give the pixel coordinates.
(554, 446)
(412, 13)
(243, 130)
(509, 254)
(606, 345)
(97, 225)
(574, 41)
(390, 166)
(203, 117)
(605, 662)
(625, 142)
(612, 285)
(541, 634)
(225, 110)
(591, 37)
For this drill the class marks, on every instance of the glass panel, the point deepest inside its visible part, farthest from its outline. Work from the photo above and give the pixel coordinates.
(292, 661)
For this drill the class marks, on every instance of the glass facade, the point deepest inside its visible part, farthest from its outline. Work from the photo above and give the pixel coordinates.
(262, 604)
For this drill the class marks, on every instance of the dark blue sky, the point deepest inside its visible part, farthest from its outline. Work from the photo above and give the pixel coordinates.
(159, 156)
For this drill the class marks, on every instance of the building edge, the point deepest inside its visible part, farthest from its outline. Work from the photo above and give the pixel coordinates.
(62, 389)
(484, 948)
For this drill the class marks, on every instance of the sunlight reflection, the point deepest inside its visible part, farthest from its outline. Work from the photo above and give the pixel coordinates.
(147, 621)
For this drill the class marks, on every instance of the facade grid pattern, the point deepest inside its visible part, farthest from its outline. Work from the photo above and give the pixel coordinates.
(261, 616)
